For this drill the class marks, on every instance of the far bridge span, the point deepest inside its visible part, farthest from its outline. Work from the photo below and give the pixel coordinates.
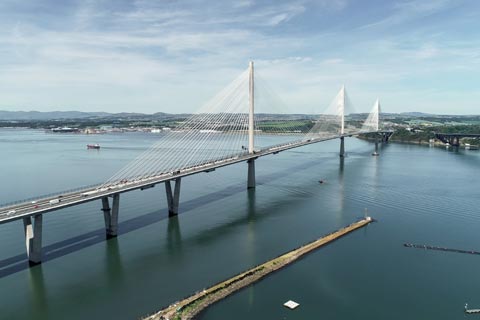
(453, 139)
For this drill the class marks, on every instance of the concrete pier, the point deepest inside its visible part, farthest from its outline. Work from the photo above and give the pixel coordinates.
(33, 238)
(111, 215)
(189, 307)
(173, 198)
(386, 136)
(375, 153)
(251, 174)
(342, 147)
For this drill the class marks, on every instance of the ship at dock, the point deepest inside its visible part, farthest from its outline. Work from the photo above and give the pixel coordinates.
(468, 146)
(65, 130)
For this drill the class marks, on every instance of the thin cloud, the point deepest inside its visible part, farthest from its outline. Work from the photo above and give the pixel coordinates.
(402, 12)
(145, 56)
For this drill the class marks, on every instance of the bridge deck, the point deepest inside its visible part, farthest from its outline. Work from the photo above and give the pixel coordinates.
(464, 135)
(60, 201)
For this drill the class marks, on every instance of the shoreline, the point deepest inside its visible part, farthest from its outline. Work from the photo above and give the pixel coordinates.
(413, 142)
(191, 306)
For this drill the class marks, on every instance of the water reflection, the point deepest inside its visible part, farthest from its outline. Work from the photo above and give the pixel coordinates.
(174, 237)
(113, 267)
(453, 149)
(375, 177)
(384, 145)
(251, 203)
(251, 239)
(341, 195)
(38, 292)
(341, 168)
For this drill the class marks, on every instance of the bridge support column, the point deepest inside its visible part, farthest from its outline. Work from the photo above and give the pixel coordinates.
(457, 141)
(173, 198)
(452, 141)
(251, 174)
(375, 153)
(342, 147)
(33, 238)
(385, 136)
(111, 215)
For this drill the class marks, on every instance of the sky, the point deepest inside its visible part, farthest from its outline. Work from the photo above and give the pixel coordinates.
(173, 56)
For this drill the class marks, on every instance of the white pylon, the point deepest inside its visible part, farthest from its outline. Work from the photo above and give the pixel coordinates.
(373, 120)
(341, 108)
(376, 113)
(251, 142)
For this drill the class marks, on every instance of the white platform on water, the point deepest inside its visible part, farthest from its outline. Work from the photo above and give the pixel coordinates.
(291, 304)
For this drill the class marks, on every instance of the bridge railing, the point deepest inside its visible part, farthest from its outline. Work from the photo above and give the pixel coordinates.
(49, 195)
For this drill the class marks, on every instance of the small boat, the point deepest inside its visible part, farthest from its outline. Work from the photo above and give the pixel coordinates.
(93, 146)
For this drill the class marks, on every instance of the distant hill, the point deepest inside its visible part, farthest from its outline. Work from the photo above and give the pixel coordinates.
(72, 115)
(60, 115)
(37, 115)
(417, 114)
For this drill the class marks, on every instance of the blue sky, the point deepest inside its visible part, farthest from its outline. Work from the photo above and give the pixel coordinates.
(172, 56)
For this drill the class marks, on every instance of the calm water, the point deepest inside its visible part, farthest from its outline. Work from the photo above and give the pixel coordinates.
(418, 194)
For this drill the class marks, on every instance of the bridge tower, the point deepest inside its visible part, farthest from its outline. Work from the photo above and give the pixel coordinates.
(251, 128)
(341, 108)
(377, 110)
(376, 125)
(382, 134)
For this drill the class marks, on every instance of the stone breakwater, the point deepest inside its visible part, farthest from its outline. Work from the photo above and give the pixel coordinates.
(191, 306)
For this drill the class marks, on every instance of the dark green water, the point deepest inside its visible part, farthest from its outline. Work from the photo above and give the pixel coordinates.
(418, 194)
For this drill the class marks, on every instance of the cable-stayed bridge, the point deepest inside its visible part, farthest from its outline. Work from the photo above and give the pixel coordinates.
(221, 133)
